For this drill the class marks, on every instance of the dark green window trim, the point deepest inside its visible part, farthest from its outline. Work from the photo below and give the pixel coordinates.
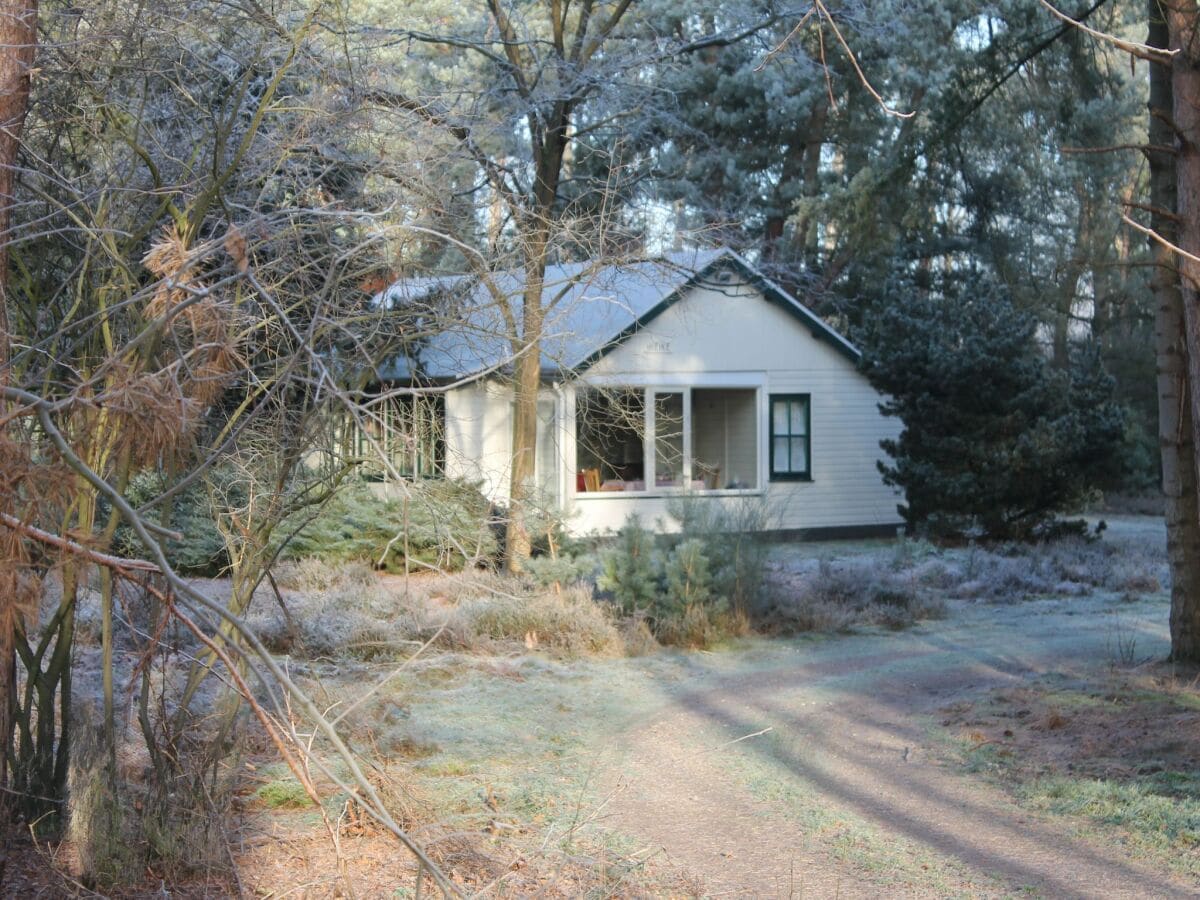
(789, 438)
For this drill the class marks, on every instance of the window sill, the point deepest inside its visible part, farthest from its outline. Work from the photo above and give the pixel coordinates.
(660, 494)
(386, 477)
(786, 479)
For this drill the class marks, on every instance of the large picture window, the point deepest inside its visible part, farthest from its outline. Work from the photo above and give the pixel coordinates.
(791, 441)
(666, 439)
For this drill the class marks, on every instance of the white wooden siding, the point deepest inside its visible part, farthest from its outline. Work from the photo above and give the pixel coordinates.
(479, 436)
(479, 440)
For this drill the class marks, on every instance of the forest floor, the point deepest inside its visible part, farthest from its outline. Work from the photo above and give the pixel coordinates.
(1029, 748)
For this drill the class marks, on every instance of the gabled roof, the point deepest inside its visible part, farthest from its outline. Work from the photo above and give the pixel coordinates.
(593, 311)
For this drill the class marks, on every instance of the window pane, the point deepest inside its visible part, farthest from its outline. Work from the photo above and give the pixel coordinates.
(725, 423)
(779, 417)
(779, 454)
(609, 426)
(799, 462)
(798, 416)
(668, 440)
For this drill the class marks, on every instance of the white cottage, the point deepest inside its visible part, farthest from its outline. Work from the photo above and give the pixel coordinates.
(689, 374)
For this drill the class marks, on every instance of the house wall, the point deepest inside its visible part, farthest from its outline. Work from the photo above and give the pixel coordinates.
(714, 338)
(479, 436)
(729, 336)
(479, 439)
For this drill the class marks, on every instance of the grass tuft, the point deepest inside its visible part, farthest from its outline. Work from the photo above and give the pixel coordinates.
(1152, 819)
(283, 793)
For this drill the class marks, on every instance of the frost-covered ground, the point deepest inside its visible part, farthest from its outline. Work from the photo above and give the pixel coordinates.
(948, 759)
(1028, 741)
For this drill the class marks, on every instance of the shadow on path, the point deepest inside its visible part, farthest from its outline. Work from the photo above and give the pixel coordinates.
(848, 735)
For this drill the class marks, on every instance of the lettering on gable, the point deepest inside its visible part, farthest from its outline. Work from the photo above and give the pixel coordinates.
(658, 345)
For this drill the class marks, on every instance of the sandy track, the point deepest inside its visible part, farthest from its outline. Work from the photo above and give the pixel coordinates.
(850, 737)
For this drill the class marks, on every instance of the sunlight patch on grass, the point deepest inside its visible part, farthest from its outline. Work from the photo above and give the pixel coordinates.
(884, 859)
(1159, 815)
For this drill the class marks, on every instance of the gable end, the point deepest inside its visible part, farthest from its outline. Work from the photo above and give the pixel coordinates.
(771, 292)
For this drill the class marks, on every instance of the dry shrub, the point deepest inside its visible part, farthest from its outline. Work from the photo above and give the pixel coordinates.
(347, 617)
(149, 414)
(639, 640)
(1070, 566)
(27, 489)
(698, 626)
(313, 575)
(348, 610)
(936, 574)
(1134, 576)
(1149, 503)
(1004, 579)
(1052, 721)
(437, 829)
(841, 597)
(692, 628)
(571, 623)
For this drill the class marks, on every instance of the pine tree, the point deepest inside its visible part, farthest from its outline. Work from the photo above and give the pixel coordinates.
(995, 439)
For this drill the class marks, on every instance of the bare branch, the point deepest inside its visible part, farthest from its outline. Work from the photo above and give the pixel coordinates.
(1141, 51)
(1158, 238)
(837, 32)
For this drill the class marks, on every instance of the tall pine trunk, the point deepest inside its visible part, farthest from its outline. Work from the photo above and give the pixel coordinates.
(18, 38)
(1176, 349)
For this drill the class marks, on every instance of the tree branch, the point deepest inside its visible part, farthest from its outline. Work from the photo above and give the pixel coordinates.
(1141, 51)
(76, 548)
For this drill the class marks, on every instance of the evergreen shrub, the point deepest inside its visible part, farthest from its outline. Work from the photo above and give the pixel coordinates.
(446, 524)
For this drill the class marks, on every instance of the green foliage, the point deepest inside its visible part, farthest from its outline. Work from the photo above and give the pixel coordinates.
(631, 570)
(730, 534)
(1156, 814)
(565, 568)
(995, 440)
(446, 522)
(686, 568)
(283, 793)
(979, 177)
(202, 550)
(695, 586)
(443, 524)
(1140, 457)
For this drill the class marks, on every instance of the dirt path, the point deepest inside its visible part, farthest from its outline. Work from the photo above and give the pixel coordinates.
(846, 795)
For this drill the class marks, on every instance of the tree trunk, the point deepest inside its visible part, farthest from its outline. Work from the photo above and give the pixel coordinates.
(527, 379)
(539, 221)
(1076, 267)
(806, 225)
(1176, 352)
(18, 38)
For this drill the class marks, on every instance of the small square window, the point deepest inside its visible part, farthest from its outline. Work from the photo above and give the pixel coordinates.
(791, 441)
